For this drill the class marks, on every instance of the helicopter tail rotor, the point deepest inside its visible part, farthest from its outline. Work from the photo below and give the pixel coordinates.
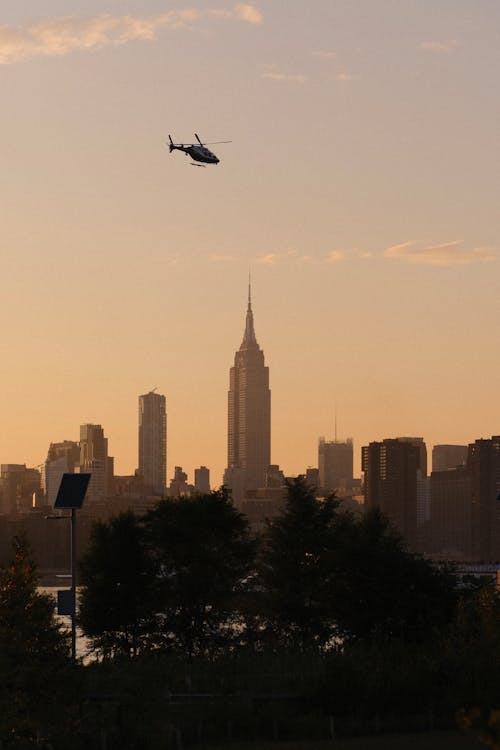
(171, 144)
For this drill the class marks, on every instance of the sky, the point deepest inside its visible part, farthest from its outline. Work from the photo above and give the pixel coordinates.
(360, 188)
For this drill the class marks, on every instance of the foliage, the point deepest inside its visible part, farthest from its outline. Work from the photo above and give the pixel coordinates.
(330, 575)
(294, 571)
(380, 590)
(117, 576)
(34, 651)
(204, 553)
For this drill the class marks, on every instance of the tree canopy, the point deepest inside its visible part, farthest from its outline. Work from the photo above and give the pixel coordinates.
(117, 576)
(204, 552)
(328, 574)
(34, 649)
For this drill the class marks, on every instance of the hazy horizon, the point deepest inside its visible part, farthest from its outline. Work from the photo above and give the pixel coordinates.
(361, 187)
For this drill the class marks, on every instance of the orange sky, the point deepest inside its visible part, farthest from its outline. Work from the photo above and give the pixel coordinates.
(361, 187)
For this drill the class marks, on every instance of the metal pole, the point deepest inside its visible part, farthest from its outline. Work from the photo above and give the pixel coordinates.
(73, 583)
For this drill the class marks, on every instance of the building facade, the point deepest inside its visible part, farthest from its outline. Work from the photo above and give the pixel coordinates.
(483, 461)
(335, 464)
(390, 481)
(448, 456)
(61, 459)
(153, 441)
(202, 480)
(94, 460)
(451, 521)
(249, 415)
(18, 485)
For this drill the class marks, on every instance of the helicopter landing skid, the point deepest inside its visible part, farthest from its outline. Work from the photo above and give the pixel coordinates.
(193, 164)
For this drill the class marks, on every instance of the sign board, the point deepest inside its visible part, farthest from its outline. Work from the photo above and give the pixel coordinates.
(65, 602)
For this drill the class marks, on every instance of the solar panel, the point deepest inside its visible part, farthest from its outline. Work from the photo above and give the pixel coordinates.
(72, 489)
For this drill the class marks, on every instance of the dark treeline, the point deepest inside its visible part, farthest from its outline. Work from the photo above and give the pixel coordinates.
(323, 624)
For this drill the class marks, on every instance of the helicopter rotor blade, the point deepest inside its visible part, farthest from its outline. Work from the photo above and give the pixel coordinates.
(213, 143)
(198, 139)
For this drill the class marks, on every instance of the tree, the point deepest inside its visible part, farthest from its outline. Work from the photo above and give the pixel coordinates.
(327, 573)
(117, 577)
(204, 553)
(294, 570)
(379, 589)
(34, 650)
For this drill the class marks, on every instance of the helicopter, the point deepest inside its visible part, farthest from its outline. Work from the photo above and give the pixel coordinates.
(197, 151)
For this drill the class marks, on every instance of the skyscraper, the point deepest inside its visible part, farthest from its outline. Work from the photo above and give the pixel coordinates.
(483, 461)
(448, 456)
(94, 459)
(61, 458)
(153, 441)
(202, 480)
(249, 415)
(335, 464)
(390, 468)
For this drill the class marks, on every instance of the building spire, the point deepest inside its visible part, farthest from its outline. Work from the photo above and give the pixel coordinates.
(249, 339)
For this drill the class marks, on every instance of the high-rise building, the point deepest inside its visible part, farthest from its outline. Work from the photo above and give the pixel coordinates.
(451, 506)
(419, 442)
(390, 477)
(249, 415)
(61, 459)
(153, 441)
(483, 461)
(202, 480)
(448, 456)
(94, 460)
(18, 484)
(179, 486)
(335, 464)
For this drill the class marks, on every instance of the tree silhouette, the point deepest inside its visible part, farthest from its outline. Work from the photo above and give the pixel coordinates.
(328, 574)
(295, 570)
(34, 650)
(204, 552)
(117, 579)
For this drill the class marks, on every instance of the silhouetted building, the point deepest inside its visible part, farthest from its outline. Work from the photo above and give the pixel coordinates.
(390, 482)
(179, 486)
(451, 515)
(448, 456)
(274, 476)
(483, 461)
(335, 464)
(422, 452)
(202, 480)
(94, 459)
(249, 415)
(153, 441)
(61, 459)
(312, 478)
(18, 484)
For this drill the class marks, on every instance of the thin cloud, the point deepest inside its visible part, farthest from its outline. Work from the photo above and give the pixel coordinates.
(439, 45)
(276, 76)
(325, 54)
(344, 76)
(248, 13)
(335, 256)
(289, 256)
(220, 258)
(60, 36)
(446, 254)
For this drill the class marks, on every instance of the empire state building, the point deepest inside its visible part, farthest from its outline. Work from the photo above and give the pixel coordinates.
(249, 415)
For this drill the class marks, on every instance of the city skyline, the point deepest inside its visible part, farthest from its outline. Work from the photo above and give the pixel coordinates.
(361, 186)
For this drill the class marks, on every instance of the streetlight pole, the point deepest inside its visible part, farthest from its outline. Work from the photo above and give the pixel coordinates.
(73, 583)
(70, 496)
